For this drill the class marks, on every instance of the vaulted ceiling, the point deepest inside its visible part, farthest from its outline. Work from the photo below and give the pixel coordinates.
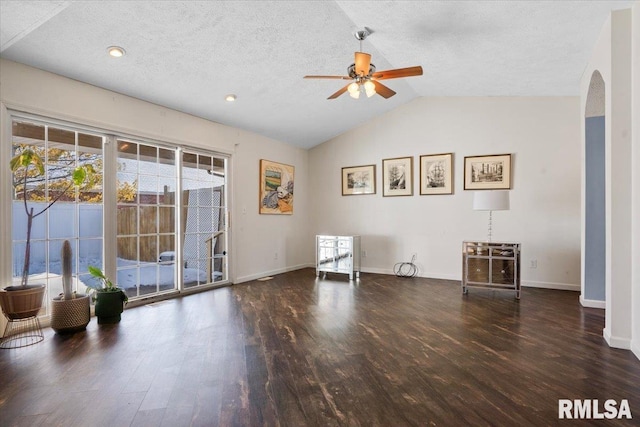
(187, 55)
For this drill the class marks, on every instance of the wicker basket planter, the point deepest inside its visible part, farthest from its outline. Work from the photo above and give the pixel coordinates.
(21, 303)
(68, 316)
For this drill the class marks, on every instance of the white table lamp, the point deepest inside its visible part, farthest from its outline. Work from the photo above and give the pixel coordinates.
(490, 201)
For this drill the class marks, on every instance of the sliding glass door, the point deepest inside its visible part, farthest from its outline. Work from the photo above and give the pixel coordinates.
(170, 211)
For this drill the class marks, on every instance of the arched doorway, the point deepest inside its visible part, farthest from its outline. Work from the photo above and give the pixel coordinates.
(594, 268)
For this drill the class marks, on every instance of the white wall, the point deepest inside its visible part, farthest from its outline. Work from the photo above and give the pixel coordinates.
(34, 91)
(612, 58)
(38, 92)
(260, 238)
(635, 339)
(544, 139)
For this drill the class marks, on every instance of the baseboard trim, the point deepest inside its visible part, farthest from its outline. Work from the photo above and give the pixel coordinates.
(616, 342)
(635, 348)
(592, 303)
(439, 276)
(375, 270)
(552, 285)
(428, 275)
(270, 273)
(420, 274)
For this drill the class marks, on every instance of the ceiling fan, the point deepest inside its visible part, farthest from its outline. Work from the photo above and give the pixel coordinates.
(364, 76)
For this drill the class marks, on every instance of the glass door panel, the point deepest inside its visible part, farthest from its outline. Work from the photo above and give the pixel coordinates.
(204, 212)
(76, 213)
(146, 186)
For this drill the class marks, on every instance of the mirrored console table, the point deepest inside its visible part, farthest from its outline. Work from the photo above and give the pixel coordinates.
(338, 254)
(494, 265)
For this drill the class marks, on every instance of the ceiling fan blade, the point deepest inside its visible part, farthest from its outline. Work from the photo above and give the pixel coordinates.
(397, 73)
(382, 90)
(363, 62)
(328, 77)
(340, 92)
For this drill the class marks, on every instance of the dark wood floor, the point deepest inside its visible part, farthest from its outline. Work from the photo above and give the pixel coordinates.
(294, 351)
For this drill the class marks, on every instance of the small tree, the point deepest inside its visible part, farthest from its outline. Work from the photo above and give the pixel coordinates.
(21, 164)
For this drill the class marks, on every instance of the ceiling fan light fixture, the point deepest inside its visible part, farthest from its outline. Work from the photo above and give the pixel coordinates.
(369, 88)
(354, 90)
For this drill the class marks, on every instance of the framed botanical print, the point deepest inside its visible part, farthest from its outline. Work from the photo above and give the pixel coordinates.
(358, 180)
(397, 176)
(491, 172)
(276, 188)
(436, 174)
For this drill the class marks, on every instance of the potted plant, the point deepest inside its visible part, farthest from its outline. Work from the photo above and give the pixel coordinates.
(70, 312)
(109, 298)
(24, 301)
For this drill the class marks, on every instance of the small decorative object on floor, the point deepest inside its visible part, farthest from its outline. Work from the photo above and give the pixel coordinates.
(109, 298)
(406, 269)
(70, 312)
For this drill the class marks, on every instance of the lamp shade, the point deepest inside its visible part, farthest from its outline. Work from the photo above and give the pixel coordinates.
(491, 201)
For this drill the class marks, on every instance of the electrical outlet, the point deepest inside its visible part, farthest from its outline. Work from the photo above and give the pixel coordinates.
(364, 254)
(275, 255)
(534, 263)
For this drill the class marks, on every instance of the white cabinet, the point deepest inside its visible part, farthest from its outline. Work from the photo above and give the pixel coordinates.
(338, 254)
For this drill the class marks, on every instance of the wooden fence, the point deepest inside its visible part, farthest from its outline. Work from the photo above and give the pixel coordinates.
(153, 219)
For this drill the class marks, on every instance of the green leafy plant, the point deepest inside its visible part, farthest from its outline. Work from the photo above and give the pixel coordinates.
(104, 283)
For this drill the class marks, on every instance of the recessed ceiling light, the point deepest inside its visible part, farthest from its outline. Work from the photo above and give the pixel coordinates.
(230, 98)
(115, 51)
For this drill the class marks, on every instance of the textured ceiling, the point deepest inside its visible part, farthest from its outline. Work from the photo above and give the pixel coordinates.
(187, 55)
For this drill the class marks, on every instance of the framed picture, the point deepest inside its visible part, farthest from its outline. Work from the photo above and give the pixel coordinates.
(276, 188)
(397, 176)
(359, 180)
(436, 174)
(491, 172)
